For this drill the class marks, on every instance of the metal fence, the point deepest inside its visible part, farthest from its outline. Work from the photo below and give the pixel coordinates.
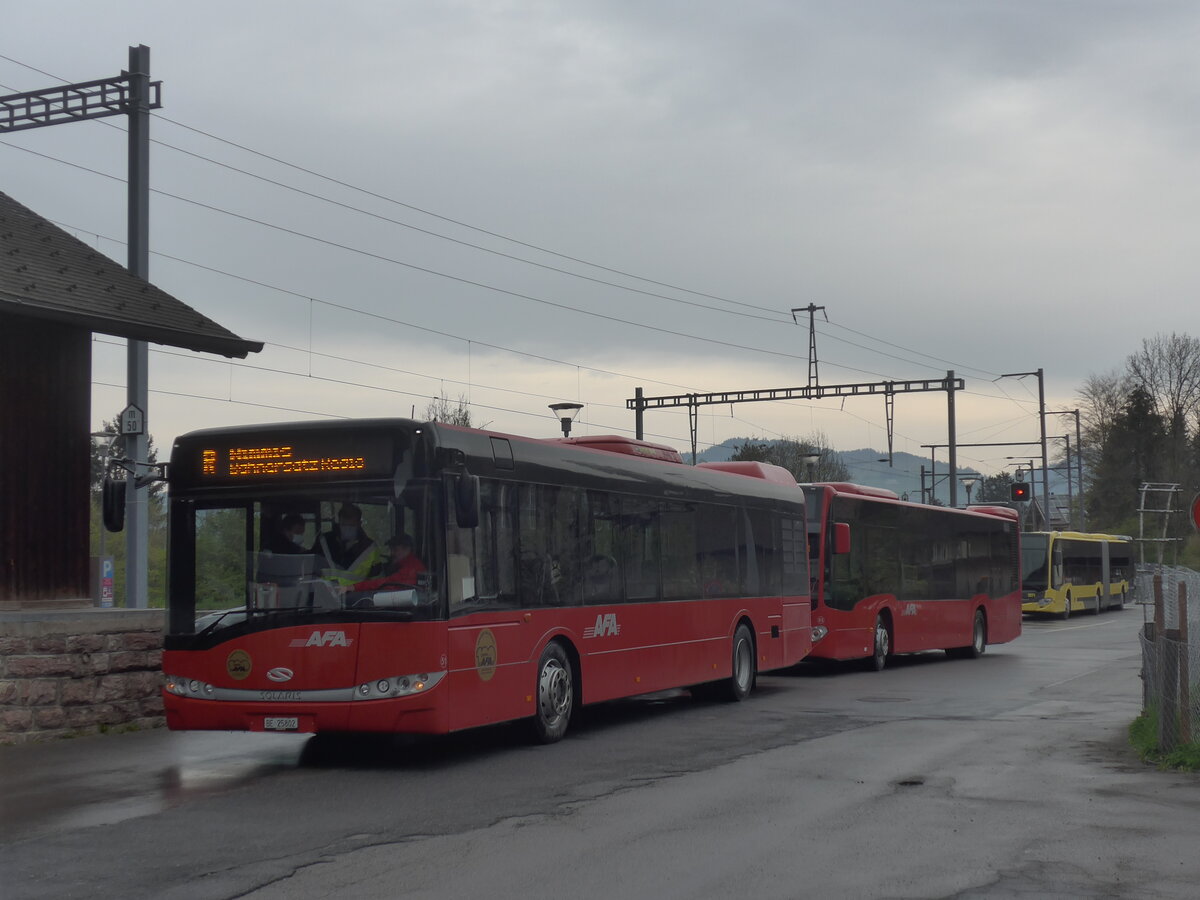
(1170, 660)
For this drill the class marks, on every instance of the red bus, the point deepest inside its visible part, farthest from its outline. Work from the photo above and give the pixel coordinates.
(553, 573)
(896, 577)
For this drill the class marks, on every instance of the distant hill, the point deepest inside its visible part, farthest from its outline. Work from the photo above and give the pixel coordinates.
(903, 476)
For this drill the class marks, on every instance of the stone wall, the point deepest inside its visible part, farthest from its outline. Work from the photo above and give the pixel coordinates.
(78, 672)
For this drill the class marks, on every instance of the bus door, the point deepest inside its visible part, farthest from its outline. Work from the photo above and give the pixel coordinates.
(1105, 576)
(1056, 567)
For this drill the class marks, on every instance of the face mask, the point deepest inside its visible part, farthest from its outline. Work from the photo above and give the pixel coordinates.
(298, 539)
(348, 532)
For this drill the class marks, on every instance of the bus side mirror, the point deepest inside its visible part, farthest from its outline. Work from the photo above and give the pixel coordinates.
(841, 537)
(112, 503)
(466, 500)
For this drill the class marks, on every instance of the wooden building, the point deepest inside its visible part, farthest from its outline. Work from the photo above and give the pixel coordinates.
(55, 291)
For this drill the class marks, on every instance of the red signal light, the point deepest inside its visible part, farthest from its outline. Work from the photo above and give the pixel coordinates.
(1019, 492)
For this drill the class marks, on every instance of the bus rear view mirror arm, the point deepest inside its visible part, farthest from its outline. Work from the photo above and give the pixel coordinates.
(466, 500)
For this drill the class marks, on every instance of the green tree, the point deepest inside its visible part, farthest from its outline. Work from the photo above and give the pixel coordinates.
(1132, 454)
(993, 488)
(792, 453)
(105, 544)
(113, 447)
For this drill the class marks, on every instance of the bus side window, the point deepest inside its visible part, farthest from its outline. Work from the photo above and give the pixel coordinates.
(638, 537)
(680, 569)
(717, 551)
(601, 560)
(549, 545)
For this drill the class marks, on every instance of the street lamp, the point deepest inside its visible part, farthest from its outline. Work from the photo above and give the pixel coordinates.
(810, 464)
(566, 413)
(969, 482)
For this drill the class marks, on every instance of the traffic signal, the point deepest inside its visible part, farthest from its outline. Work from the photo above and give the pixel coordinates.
(1019, 492)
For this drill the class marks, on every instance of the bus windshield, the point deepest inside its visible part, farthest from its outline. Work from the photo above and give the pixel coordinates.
(1034, 571)
(309, 553)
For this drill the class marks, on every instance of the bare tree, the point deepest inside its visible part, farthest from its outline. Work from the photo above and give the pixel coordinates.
(440, 409)
(1167, 368)
(1101, 403)
(1101, 400)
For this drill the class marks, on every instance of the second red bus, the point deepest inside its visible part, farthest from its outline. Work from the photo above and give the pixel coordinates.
(892, 577)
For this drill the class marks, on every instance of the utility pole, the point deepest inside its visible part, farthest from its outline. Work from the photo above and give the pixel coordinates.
(131, 94)
(953, 439)
(137, 390)
(1078, 458)
(1041, 377)
(811, 309)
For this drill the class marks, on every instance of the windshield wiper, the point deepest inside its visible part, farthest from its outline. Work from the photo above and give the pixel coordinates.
(217, 621)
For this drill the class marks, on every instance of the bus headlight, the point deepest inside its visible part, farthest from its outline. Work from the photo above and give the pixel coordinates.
(398, 686)
(189, 687)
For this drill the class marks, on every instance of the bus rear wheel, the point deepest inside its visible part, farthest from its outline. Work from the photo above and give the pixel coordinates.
(883, 646)
(978, 645)
(741, 681)
(555, 694)
(978, 637)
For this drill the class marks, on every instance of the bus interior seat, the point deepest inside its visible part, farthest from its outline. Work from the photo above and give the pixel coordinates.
(284, 569)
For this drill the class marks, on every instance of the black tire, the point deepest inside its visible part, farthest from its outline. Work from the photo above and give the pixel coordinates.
(1066, 613)
(1121, 601)
(878, 659)
(744, 671)
(978, 637)
(554, 693)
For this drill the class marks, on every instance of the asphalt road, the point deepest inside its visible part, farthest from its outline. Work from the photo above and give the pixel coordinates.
(1007, 776)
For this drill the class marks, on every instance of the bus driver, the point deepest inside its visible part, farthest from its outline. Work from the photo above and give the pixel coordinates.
(402, 569)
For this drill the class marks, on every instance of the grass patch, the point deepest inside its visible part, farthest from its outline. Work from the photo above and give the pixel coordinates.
(1143, 736)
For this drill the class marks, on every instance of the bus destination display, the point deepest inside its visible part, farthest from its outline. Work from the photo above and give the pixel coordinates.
(264, 462)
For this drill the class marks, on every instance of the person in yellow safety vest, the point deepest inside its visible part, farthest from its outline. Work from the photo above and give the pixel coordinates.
(346, 552)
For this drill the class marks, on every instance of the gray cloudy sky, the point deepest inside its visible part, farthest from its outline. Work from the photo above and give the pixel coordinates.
(989, 187)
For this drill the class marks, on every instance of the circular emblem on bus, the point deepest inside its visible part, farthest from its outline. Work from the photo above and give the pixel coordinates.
(238, 665)
(280, 673)
(485, 654)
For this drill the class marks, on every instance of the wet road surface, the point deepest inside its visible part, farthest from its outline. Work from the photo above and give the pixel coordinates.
(1006, 776)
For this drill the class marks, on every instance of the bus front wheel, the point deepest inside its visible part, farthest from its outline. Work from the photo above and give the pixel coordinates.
(555, 695)
(1066, 613)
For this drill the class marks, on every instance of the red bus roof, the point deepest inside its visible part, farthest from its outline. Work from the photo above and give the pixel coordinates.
(765, 471)
(1003, 512)
(846, 487)
(613, 443)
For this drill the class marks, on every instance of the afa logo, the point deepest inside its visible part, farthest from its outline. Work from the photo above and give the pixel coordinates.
(324, 639)
(606, 626)
(910, 610)
(238, 665)
(487, 654)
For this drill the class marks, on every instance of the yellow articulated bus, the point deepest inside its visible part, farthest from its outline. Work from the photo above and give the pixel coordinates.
(1066, 571)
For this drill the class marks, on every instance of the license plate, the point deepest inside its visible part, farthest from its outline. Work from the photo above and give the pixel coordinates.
(281, 723)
